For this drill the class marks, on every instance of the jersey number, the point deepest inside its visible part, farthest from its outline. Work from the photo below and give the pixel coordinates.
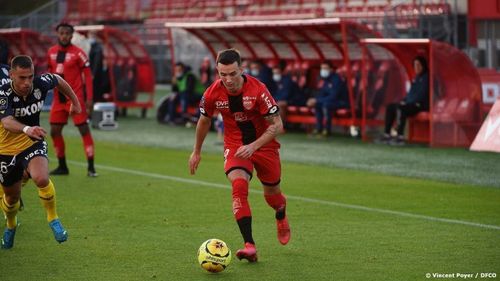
(3, 167)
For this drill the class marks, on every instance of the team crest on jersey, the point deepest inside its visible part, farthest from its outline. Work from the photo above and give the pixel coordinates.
(247, 104)
(15, 99)
(37, 94)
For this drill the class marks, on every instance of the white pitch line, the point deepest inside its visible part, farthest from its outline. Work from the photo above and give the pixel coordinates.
(298, 198)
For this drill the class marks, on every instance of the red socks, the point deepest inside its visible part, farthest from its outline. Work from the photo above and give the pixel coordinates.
(88, 145)
(276, 201)
(58, 146)
(240, 199)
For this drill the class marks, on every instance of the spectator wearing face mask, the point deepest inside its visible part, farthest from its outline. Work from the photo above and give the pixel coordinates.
(328, 98)
(263, 73)
(245, 65)
(284, 89)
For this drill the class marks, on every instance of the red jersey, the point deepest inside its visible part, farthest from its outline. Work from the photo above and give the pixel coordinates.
(70, 63)
(243, 114)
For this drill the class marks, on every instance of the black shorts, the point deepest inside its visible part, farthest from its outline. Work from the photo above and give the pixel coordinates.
(12, 167)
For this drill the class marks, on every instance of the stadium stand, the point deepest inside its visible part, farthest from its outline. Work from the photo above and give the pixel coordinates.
(212, 10)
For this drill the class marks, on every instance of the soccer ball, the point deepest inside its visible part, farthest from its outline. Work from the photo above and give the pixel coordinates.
(214, 255)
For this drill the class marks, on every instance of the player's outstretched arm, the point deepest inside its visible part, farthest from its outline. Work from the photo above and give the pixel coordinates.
(66, 90)
(202, 129)
(275, 128)
(14, 126)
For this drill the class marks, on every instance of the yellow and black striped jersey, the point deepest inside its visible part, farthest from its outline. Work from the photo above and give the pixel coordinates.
(25, 110)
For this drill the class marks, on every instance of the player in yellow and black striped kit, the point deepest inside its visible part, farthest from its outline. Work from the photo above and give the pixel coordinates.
(22, 145)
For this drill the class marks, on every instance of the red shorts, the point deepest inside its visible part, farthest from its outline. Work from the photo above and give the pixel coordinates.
(266, 162)
(59, 114)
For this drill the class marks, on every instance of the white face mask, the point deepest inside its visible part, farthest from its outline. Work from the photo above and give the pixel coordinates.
(254, 72)
(324, 73)
(276, 77)
(246, 70)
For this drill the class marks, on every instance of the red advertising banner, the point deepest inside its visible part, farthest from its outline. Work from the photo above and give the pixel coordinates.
(488, 138)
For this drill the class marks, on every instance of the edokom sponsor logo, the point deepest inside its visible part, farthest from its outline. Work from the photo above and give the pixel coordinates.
(488, 138)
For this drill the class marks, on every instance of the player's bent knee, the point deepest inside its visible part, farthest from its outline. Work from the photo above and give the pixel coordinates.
(40, 181)
(272, 189)
(12, 198)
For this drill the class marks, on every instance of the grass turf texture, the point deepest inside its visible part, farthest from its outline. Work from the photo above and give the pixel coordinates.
(140, 220)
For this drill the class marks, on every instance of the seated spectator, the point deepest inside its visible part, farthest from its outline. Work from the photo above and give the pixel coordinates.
(330, 97)
(415, 101)
(188, 90)
(284, 89)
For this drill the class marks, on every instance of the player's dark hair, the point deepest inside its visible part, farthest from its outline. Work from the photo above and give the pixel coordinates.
(282, 65)
(423, 62)
(229, 56)
(328, 63)
(21, 61)
(65, 24)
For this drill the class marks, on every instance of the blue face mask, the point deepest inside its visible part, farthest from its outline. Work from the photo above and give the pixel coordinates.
(276, 77)
(324, 73)
(254, 72)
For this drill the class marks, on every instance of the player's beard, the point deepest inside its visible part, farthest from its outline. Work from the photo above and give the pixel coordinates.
(64, 45)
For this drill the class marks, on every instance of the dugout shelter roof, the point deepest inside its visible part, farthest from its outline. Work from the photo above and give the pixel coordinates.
(455, 113)
(23, 41)
(304, 40)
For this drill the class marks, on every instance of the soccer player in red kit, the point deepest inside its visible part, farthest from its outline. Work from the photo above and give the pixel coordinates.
(251, 124)
(70, 62)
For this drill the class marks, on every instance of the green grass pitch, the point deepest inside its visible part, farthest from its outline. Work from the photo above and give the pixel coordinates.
(144, 217)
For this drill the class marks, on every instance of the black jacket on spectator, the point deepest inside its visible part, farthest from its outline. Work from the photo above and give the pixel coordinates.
(419, 91)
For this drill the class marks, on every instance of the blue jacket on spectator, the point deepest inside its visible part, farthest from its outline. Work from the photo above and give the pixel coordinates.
(284, 88)
(332, 93)
(419, 91)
